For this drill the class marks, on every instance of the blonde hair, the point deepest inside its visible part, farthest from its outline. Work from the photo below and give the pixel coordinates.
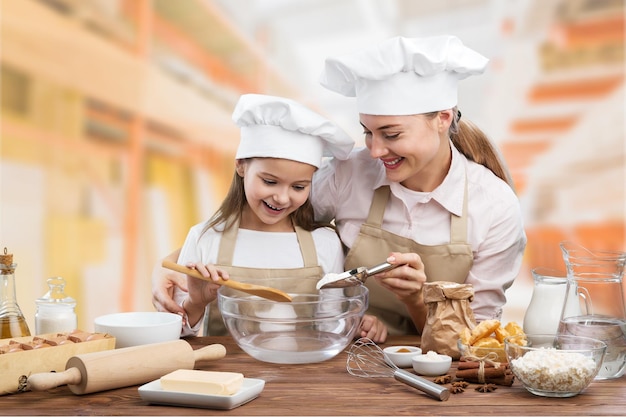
(476, 146)
(233, 204)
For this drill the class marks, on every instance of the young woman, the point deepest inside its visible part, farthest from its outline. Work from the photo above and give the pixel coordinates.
(428, 189)
(265, 225)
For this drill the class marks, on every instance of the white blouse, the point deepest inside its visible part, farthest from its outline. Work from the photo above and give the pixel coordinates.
(343, 190)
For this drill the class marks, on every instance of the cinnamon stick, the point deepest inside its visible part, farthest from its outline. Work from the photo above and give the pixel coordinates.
(487, 372)
(475, 365)
(498, 376)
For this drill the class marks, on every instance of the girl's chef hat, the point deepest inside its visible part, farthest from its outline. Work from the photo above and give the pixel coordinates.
(276, 127)
(404, 76)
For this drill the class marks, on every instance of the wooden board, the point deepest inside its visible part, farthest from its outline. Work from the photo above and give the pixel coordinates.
(15, 365)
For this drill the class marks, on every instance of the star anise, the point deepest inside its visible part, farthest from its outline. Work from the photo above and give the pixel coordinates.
(462, 384)
(487, 388)
(444, 379)
(456, 389)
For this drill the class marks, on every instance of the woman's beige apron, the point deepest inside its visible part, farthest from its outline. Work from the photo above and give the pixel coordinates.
(213, 323)
(450, 262)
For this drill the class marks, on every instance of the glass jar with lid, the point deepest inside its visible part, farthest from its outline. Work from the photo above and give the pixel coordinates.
(55, 310)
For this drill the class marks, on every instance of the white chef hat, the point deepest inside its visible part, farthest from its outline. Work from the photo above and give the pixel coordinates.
(403, 76)
(277, 127)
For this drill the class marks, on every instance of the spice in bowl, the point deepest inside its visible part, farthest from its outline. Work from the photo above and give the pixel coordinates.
(401, 356)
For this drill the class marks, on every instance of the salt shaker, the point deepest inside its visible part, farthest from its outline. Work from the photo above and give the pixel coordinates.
(55, 310)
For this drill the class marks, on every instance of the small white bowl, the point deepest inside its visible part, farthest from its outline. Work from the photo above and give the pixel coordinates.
(140, 328)
(432, 364)
(401, 355)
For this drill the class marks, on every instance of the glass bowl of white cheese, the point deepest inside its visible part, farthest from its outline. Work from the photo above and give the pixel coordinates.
(554, 365)
(315, 326)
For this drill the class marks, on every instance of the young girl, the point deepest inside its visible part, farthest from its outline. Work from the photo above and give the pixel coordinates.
(265, 225)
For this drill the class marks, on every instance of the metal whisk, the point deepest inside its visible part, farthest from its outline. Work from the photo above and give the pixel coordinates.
(367, 360)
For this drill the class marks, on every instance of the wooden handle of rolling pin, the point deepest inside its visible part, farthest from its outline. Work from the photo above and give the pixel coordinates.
(49, 380)
(110, 369)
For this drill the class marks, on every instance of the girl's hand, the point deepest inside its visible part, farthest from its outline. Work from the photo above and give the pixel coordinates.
(201, 292)
(373, 329)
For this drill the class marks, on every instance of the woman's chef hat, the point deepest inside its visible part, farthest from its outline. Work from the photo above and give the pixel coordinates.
(404, 76)
(276, 127)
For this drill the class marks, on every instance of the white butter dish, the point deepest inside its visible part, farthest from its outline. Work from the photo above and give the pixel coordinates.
(154, 394)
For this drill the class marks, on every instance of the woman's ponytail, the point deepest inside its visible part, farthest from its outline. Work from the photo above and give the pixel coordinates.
(476, 146)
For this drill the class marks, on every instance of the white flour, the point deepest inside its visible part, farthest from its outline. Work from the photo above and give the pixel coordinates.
(553, 370)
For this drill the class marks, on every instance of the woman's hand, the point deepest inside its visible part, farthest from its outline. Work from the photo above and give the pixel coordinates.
(373, 329)
(406, 282)
(164, 283)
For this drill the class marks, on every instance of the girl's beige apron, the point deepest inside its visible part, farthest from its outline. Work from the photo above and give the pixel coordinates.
(450, 262)
(213, 323)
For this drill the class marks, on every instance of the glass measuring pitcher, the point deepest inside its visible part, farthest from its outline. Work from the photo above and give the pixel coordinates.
(594, 282)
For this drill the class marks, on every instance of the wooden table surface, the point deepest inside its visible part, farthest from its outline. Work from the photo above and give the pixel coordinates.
(324, 388)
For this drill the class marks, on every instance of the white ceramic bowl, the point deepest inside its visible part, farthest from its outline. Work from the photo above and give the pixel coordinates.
(140, 328)
(401, 355)
(555, 365)
(431, 364)
(315, 326)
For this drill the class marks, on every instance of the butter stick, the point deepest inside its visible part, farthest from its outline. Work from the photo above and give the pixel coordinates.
(202, 382)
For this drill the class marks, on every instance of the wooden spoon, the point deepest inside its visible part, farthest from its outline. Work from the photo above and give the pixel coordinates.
(258, 290)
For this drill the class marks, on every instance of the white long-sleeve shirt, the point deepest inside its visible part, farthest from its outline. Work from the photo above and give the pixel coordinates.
(343, 190)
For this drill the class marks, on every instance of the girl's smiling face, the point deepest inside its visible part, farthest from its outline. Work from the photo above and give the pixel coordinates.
(274, 189)
(414, 149)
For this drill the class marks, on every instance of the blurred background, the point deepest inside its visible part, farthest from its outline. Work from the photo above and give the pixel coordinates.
(116, 134)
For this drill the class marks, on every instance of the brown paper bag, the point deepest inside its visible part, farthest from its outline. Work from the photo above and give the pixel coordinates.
(449, 312)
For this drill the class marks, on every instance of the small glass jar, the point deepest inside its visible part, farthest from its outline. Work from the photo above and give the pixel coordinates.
(55, 310)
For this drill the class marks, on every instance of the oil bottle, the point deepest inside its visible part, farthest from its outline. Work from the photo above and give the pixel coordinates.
(12, 321)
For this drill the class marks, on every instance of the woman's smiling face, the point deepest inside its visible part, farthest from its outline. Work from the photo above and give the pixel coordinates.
(413, 149)
(274, 189)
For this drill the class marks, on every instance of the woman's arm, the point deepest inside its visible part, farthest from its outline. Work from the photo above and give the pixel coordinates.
(164, 283)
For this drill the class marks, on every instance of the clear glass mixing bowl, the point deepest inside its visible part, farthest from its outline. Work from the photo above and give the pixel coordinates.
(314, 327)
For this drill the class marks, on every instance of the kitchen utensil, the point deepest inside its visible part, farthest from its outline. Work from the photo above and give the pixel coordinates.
(314, 327)
(134, 328)
(356, 276)
(551, 365)
(546, 304)
(402, 356)
(594, 288)
(258, 290)
(154, 394)
(100, 371)
(367, 360)
(431, 364)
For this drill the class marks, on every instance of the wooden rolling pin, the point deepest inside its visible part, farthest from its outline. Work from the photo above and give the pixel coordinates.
(117, 368)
